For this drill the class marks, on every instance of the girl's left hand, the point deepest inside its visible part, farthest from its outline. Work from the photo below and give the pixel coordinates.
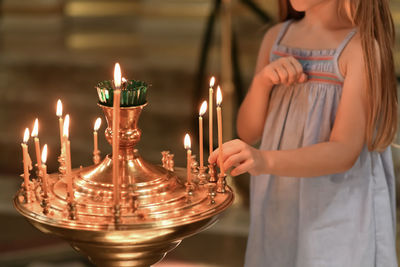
(243, 157)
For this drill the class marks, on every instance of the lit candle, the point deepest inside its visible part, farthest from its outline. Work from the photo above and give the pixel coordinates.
(210, 113)
(187, 144)
(67, 149)
(95, 129)
(219, 119)
(203, 109)
(26, 158)
(44, 171)
(115, 131)
(60, 122)
(34, 134)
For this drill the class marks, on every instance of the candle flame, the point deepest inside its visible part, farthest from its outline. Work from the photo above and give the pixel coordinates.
(117, 76)
(26, 135)
(187, 142)
(59, 108)
(35, 130)
(219, 96)
(66, 126)
(44, 154)
(97, 124)
(203, 108)
(212, 81)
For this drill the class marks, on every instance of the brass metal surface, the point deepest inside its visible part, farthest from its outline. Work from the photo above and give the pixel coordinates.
(156, 210)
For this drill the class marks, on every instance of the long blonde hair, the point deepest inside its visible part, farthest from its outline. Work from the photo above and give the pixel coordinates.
(377, 33)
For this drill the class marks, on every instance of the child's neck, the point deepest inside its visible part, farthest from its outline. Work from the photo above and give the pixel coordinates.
(325, 16)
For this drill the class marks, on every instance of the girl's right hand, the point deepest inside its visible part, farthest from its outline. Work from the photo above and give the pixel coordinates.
(285, 70)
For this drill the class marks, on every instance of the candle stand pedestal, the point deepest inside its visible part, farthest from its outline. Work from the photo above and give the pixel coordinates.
(153, 214)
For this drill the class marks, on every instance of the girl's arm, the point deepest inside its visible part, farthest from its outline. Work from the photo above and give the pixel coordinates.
(337, 155)
(253, 111)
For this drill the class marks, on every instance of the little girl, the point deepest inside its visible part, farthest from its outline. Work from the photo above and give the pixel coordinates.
(323, 103)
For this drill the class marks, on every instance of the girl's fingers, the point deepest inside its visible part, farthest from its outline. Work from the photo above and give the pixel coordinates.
(303, 78)
(274, 76)
(283, 74)
(298, 67)
(242, 168)
(229, 148)
(234, 160)
(292, 73)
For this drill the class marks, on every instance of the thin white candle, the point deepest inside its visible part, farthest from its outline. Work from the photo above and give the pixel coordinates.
(44, 171)
(219, 119)
(95, 138)
(67, 149)
(115, 131)
(203, 110)
(26, 158)
(60, 122)
(210, 113)
(187, 144)
(34, 134)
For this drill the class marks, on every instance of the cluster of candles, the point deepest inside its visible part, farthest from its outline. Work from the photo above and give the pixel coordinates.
(41, 154)
(65, 154)
(203, 109)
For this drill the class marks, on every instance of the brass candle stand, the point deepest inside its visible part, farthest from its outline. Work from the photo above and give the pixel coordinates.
(155, 212)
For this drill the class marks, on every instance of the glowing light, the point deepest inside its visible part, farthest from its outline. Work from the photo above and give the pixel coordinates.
(35, 130)
(26, 135)
(66, 126)
(212, 81)
(203, 108)
(97, 124)
(219, 96)
(187, 142)
(59, 108)
(117, 76)
(44, 154)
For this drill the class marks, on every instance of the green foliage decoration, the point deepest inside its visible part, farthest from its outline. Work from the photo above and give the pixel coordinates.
(133, 93)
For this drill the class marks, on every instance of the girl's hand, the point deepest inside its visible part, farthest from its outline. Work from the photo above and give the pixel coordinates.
(285, 70)
(243, 157)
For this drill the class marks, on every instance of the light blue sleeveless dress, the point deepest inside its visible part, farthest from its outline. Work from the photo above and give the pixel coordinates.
(339, 220)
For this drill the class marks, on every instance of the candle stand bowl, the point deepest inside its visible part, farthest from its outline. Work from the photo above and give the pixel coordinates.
(154, 213)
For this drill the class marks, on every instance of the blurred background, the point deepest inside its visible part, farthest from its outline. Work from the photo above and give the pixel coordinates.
(60, 49)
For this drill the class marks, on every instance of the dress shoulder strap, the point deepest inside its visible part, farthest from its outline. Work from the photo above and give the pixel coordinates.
(339, 51)
(279, 37)
(282, 31)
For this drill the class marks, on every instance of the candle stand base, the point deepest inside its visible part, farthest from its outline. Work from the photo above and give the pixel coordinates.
(221, 183)
(153, 215)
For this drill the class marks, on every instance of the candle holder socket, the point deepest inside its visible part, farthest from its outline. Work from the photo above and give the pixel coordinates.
(164, 159)
(45, 204)
(96, 157)
(189, 188)
(170, 162)
(62, 169)
(117, 214)
(211, 192)
(72, 210)
(203, 176)
(221, 183)
(212, 171)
